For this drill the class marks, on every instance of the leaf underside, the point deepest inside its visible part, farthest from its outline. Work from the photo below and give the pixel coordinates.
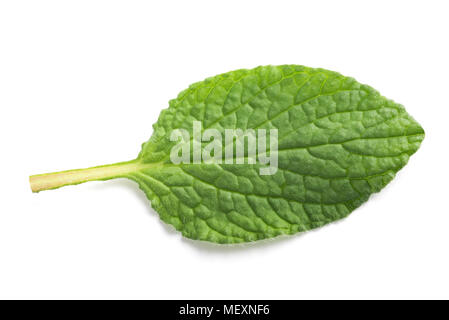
(339, 142)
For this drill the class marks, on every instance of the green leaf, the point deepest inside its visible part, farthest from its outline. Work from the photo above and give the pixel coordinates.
(338, 142)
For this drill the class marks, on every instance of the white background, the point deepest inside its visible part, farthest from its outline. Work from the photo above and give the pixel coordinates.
(81, 83)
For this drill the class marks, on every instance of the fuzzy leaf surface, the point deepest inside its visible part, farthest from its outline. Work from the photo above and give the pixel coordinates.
(339, 142)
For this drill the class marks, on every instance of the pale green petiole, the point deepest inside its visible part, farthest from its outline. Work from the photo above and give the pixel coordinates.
(56, 180)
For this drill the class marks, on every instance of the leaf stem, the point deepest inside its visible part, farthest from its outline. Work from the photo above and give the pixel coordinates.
(55, 180)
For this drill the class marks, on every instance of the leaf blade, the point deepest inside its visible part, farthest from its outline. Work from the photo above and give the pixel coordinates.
(339, 142)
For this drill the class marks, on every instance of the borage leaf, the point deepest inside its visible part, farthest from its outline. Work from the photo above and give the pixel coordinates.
(338, 141)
